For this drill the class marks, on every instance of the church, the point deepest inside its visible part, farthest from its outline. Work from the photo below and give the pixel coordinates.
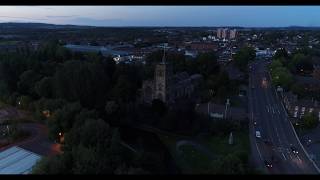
(169, 87)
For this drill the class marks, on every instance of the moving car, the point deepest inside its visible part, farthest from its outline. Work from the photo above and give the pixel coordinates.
(294, 150)
(267, 163)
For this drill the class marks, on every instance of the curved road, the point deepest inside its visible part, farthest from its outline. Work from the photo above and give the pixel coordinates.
(266, 109)
(38, 141)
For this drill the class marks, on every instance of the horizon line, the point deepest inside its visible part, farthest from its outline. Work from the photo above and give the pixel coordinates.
(185, 26)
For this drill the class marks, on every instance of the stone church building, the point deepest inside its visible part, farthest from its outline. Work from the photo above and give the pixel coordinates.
(169, 87)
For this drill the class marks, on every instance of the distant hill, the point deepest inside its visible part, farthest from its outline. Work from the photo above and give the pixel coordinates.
(14, 25)
(17, 25)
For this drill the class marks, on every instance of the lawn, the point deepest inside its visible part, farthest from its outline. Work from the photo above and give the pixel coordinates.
(219, 145)
(191, 161)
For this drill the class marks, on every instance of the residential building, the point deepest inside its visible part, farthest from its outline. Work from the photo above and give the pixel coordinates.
(297, 108)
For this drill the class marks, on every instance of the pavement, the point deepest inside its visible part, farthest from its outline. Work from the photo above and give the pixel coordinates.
(268, 115)
(313, 146)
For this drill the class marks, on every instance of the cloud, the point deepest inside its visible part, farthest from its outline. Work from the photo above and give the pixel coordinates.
(95, 22)
(25, 18)
(69, 16)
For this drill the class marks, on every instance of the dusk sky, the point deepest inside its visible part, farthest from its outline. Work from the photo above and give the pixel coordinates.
(249, 16)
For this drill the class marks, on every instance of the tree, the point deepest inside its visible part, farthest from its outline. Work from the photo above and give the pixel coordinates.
(281, 76)
(300, 63)
(310, 120)
(244, 56)
(63, 119)
(91, 147)
(207, 64)
(159, 108)
(44, 87)
(297, 89)
(82, 81)
(229, 164)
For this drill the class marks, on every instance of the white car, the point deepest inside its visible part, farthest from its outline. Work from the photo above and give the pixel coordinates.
(258, 134)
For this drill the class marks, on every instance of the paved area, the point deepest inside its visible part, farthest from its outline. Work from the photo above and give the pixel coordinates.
(268, 115)
(311, 142)
(38, 142)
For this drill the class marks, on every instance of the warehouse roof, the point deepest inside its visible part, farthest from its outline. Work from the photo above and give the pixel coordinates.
(16, 160)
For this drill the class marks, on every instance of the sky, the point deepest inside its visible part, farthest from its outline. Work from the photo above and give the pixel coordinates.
(246, 16)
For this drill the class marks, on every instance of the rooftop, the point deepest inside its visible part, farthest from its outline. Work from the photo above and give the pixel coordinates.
(16, 160)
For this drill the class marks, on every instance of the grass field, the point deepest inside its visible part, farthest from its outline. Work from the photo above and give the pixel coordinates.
(191, 161)
(219, 145)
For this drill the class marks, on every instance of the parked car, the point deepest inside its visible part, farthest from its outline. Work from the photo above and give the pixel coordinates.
(258, 134)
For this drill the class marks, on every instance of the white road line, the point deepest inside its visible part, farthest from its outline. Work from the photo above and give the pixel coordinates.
(284, 157)
(267, 108)
(299, 158)
(258, 150)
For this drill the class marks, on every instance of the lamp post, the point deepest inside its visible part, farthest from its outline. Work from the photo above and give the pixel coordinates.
(227, 104)
(211, 93)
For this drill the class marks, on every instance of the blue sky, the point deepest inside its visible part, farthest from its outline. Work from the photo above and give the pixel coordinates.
(249, 16)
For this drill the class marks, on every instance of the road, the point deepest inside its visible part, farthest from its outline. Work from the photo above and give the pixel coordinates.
(38, 141)
(266, 109)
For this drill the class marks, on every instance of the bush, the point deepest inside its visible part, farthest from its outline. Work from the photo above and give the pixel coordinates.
(310, 121)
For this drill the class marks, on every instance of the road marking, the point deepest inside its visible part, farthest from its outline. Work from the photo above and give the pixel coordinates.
(267, 108)
(258, 150)
(284, 156)
(299, 158)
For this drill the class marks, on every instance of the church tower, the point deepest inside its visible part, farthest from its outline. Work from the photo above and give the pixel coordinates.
(162, 75)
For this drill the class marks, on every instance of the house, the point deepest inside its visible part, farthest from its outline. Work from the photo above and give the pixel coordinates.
(297, 108)
(191, 53)
(309, 83)
(16, 160)
(203, 47)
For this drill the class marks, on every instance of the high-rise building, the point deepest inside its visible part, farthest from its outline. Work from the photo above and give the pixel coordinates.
(233, 34)
(224, 34)
(219, 33)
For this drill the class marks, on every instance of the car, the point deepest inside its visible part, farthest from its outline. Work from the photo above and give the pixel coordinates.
(294, 150)
(258, 134)
(267, 163)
